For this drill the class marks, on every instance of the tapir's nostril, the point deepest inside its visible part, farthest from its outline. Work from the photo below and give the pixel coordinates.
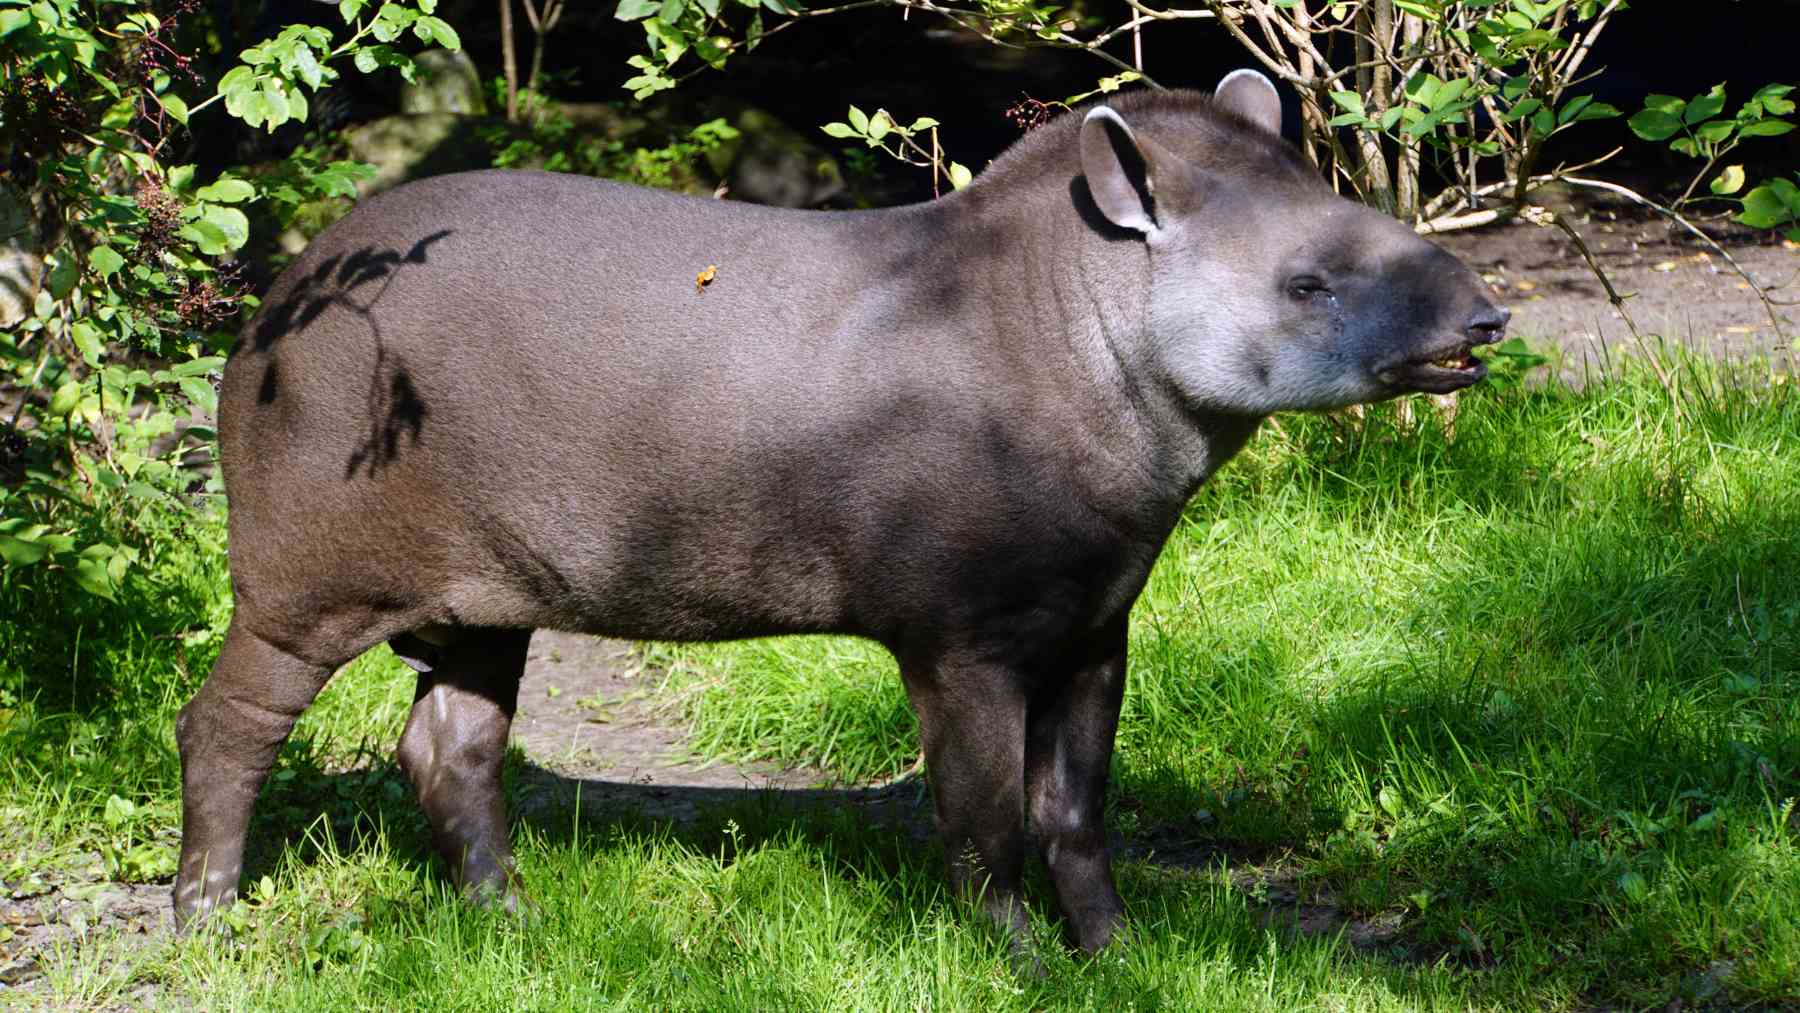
(1488, 323)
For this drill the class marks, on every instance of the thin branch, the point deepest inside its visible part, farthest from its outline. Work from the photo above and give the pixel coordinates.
(1676, 217)
(1548, 217)
(510, 59)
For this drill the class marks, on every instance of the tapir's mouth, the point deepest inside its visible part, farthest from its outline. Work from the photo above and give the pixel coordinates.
(1439, 371)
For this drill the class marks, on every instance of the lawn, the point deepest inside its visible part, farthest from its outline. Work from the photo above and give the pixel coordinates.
(1511, 705)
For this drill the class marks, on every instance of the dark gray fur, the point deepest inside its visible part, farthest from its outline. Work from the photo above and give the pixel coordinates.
(488, 403)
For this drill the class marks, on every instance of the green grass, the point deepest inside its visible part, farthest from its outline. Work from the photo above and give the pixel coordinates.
(1531, 695)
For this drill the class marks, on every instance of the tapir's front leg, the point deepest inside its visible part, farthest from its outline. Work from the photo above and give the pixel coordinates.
(972, 721)
(1072, 721)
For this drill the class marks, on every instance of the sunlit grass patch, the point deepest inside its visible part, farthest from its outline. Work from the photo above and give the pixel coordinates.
(1527, 696)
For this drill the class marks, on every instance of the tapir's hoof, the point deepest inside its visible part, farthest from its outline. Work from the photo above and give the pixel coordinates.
(507, 896)
(194, 906)
(203, 916)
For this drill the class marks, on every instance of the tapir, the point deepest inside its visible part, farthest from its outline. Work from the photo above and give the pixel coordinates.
(493, 402)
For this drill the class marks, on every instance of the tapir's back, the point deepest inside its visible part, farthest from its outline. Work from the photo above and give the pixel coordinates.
(502, 393)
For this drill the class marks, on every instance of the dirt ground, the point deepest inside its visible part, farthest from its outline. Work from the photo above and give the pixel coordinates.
(1675, 286)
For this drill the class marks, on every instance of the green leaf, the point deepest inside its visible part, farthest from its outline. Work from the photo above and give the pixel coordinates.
(1714, 131)
(636, 10)
(1539, 38)
(349, 9)
(118, 811)
(1389, 800)
(175, 106)
(1766, 128)
(209, 238)
(859, 120)
(249, 106)
(878, 126)
(711, 7)
(960, 176)
(365, 61)
(1654, 124)
(94, 577)
(181, 177)
(63, 275)
(671, 10)
(65, 400)
(230, 222)
(1705, 106)
(275, 101)
(1597, 111)
(923, 123)
(198, 367)
(227, 190)
(442, 32)
(1423, 88)
(306, 67)
(1349, 101)
(88, 341)
(1635, 888)
(1728, 182)
(1573, 108)
(665, 40)
(1665, 104)
(105, 261)
(237, 81)
(1770, 96)
(1764, 208)
(200, 392)
(18, 552)
(837, 129)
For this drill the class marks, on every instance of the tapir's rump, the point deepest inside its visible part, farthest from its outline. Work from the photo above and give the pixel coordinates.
(495, 402)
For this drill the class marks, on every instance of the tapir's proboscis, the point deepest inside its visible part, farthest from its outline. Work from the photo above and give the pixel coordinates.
(493, 402)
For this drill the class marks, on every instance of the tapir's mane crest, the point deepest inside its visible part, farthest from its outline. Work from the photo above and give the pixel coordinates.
(1187, 122)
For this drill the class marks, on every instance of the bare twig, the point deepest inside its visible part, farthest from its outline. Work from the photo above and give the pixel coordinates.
(1676, 217)
(1544, 216)
(510, 59)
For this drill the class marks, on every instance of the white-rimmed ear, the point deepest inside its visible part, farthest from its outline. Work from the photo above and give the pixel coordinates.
(1251, 97)
(1118, 171)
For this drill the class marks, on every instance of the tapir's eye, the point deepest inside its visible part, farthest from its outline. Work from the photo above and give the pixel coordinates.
(1307, 286)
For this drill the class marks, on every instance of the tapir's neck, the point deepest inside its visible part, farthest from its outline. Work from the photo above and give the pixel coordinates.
(1071, 304)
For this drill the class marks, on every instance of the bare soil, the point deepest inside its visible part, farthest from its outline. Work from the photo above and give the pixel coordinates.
(1675, 286)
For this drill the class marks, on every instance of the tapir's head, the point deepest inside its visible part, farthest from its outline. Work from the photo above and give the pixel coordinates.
(1269, 292)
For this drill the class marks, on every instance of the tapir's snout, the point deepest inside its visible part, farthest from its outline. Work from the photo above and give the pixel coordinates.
(1487, 324)
(1443, 358)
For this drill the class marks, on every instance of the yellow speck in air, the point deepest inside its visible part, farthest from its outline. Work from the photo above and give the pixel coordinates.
(704, 278)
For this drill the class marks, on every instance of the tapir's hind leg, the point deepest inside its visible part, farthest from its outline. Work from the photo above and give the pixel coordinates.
(453, 747)
(228, 735)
